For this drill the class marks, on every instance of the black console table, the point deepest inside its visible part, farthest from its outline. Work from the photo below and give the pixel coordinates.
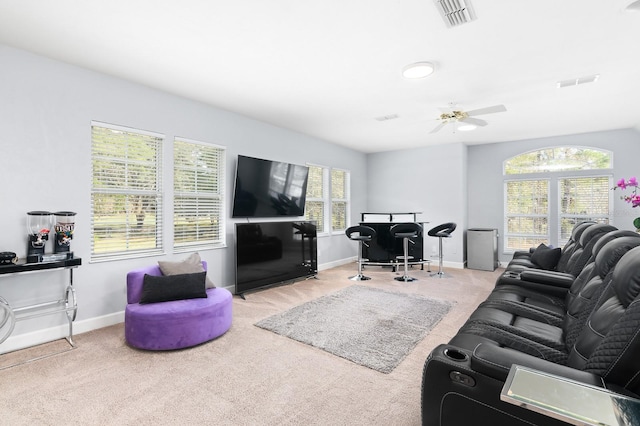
(68, 304)
(384, 249)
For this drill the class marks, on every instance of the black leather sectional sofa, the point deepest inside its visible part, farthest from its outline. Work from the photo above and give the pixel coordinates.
(579, 321)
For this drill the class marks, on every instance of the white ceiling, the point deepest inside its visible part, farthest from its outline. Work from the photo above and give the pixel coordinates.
(327, 68)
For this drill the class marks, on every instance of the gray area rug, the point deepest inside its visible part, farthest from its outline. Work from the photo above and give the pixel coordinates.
(371, 327)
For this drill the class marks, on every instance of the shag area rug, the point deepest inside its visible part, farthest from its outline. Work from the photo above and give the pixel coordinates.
(368, 326)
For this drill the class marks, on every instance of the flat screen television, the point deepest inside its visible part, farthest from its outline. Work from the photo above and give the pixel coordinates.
(265, 188)
(274, 252)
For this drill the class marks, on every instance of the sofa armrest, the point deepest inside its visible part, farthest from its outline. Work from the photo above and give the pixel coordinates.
(559, 279)
(495, 362)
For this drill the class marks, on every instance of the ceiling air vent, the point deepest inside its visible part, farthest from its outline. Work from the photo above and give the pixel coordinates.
(387, 117)
(455, 12)
(577, 81)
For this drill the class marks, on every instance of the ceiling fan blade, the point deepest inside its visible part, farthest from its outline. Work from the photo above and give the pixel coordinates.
(475, 121)
(438, 127)
(487, 110)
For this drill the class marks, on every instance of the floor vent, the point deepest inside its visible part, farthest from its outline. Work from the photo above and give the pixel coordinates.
(455, 12)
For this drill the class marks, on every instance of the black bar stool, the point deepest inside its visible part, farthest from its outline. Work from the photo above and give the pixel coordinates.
(441, 231)
(362, 234)
(406, 231)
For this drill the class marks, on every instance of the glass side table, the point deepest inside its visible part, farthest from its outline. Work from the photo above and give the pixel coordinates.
(568, 400)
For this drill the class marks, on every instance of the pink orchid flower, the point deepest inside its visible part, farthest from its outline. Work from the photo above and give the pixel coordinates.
(621, 183)
(632, 181)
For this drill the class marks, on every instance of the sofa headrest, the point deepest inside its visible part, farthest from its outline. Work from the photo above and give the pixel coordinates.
(610, 236)
(595, 230)
(626, 277)
(577, 231)
(610, 254)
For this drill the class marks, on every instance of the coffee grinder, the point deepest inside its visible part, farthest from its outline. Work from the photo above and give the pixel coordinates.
(38, 227)
(64, 227)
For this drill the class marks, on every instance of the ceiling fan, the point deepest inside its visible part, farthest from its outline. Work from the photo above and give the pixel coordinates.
(456, 115)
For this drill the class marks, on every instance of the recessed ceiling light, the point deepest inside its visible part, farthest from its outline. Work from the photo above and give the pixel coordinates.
(467, 127)
(418, 70)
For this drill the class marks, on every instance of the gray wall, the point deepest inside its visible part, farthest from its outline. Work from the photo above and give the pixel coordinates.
(485, 178)
(431, 180)
(46, 109)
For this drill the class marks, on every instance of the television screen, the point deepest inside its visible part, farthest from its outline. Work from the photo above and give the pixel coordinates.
(267, 188)
(274, 252)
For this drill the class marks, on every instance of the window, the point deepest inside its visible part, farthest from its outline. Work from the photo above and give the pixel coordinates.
(339, 199)
(328, 198)
(198, 188)
(581, 199)
(126, 192)
(544, 210)
(314, 208)
(527, 213)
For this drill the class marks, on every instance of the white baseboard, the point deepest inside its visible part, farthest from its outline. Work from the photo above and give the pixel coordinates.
(337, 263)
(21, 341)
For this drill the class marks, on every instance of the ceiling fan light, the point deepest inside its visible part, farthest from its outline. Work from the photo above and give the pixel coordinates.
(418, 70)
(467, 127)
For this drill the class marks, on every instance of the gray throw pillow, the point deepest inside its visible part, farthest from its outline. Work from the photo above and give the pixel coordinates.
(190, 265)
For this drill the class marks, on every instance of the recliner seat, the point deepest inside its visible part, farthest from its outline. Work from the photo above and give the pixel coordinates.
(462, 380)
(557, 282)
(534, 329)
(555, 304)
(522, 260)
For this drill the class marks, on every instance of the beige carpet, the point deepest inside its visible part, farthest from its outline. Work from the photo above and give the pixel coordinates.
(249, 376)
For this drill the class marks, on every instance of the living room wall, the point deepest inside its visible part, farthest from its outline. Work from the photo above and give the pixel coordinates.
(47, 108)
(430, 180)
(485, 178)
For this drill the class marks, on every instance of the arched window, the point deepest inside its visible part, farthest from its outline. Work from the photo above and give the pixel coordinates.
(548, 191)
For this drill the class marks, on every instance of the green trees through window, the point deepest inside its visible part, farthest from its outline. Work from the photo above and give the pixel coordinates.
(548, 191)
(126, 193)
(328, 188)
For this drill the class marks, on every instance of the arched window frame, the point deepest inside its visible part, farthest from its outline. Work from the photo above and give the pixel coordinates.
(553, 214)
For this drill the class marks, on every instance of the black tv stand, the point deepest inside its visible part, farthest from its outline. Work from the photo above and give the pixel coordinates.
(274, 253)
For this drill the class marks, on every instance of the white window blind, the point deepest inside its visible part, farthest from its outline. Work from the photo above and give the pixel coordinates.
(527, 213)
(581, 199)
(574, 189)
(198, 185)
(314, 208)
(126, 192)
(339, 199)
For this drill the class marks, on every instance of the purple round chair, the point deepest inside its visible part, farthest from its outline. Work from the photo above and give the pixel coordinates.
(175, 324)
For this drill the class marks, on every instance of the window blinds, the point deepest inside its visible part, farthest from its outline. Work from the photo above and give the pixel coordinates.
(126, 194)
(198, 185)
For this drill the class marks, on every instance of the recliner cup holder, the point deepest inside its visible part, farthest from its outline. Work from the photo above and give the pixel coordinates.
(513, 275)
(455, 354)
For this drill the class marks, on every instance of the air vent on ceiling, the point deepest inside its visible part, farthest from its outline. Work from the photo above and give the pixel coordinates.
(455, 12)
(387, 117)
(577, 81)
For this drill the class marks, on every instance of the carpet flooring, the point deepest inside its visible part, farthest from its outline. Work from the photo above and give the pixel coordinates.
(248, 376)
(371, 327)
